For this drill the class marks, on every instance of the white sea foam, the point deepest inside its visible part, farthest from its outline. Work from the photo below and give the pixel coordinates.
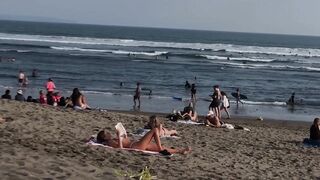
(267, 66)
(64, 48)
(305, 52)
(276, 103)
(156, 53)
(237, 58)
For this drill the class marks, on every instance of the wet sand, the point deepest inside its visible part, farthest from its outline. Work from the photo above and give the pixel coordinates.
(43, 142)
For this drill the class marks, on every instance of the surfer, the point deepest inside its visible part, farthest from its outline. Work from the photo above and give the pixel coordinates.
(137, 95)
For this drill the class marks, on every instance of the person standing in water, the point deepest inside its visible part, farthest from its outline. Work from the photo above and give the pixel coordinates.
(187, 85)
(291, 99)
(137, 95)
(238, 98)
(193, 92)
(22, 79)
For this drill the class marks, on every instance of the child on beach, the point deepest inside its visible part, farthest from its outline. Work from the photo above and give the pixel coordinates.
(42, 98)
(144, 143)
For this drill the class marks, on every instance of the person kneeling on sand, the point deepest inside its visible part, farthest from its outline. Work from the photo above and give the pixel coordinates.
(315, 130)
(78, 100)
(144, 143)
(155, 122)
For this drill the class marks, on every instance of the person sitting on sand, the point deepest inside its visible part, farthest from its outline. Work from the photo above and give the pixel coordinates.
(42, 98)
(212, 120)
(189, 113)
(78, 100)
(6, 95)
(315, 130)
(19, 96)
(155, 122)
(144, 143)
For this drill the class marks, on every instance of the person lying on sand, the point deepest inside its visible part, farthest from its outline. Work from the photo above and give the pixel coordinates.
(155, 122)
(144, 143)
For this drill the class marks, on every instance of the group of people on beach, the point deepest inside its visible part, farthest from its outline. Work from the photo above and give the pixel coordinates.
(77, 100)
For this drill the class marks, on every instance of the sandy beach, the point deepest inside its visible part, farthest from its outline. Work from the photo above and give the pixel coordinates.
(44, 142)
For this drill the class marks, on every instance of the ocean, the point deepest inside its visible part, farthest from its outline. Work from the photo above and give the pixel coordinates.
(267, 68)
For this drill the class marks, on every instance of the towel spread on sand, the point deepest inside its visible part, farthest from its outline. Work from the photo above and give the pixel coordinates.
(93, 142)
(142, 132)
(311, 143)
(189, 122)
(231, 126)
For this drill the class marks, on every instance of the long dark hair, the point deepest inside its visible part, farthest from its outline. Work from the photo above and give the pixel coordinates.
(75, 95)
(100, 137)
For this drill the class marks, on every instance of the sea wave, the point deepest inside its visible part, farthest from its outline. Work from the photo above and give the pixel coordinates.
(275, 103)
(154, 53)
(237, 58)
(281, 51)
(267, 66)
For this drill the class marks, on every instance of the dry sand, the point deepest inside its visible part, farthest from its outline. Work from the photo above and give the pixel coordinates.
(42, 142)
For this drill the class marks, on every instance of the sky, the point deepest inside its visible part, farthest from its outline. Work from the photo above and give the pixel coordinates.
(261, 16)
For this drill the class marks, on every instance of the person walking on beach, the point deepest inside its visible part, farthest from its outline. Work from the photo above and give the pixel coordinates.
(137, 95)
(216, 101)
(225, 103)
(50, 85)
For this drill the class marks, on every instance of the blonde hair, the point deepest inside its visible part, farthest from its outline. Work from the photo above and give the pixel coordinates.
(154, 122)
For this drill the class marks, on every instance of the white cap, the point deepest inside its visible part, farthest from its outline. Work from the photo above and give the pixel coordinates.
(19, 91)
(210, 113)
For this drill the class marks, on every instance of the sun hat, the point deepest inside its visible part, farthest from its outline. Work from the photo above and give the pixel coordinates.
(19, 91)
(210, 113)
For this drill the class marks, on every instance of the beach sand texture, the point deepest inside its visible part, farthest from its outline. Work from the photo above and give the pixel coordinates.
(43, 142)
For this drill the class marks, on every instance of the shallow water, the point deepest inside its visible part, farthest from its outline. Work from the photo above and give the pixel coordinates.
(266, 68)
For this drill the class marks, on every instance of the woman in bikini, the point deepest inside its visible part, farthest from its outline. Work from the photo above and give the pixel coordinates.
(155, 122)
(144, 143)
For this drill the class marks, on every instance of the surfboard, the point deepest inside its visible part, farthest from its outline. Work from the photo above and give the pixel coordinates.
(235, 95)
(177, 98)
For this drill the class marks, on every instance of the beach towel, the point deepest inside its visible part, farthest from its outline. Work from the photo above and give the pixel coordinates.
(93, 142)
(189, 122)
(231, 126)
(142, 132)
